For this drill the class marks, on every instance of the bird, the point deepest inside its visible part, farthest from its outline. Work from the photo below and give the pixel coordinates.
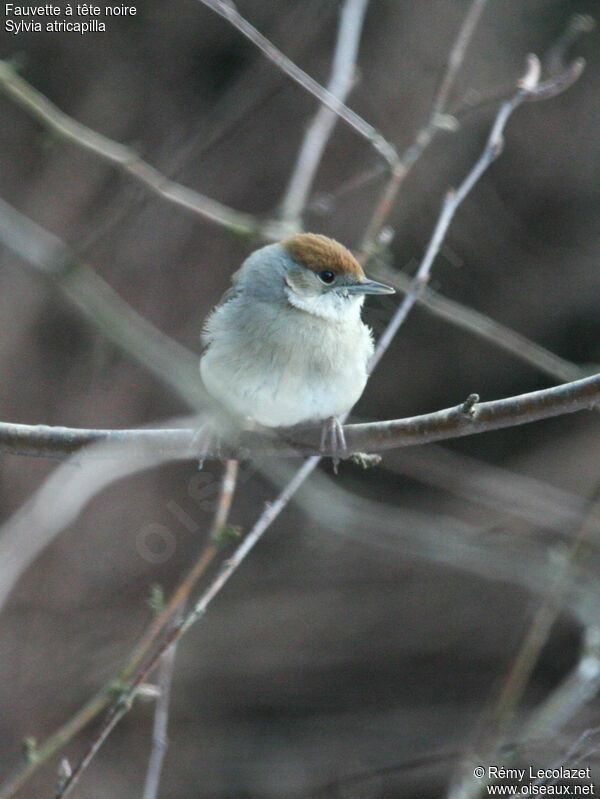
(286, 344)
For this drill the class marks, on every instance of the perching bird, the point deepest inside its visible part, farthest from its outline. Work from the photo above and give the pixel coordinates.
(286, 345)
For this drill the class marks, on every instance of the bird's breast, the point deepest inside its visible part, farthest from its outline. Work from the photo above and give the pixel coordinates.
(285, 367)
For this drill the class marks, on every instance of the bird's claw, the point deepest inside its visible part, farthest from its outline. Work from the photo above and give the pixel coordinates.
(333, 438)
(205, 441)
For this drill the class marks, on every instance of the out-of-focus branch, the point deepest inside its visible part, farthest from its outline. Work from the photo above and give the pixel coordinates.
(560, 77)
(437, 122)
(484, 327)
(121, 156)
(321, 127)
(465, 419)
(495, 735)
(167, 662)
(123, 703)
(61, 516)
(578, 688)
(578, 25)
(457, 55)
(229, 12)
(120, 323)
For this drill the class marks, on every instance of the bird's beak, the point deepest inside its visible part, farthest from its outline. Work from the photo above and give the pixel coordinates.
(369, 287)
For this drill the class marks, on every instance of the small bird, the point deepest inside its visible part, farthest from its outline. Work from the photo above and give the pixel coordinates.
(286, 345)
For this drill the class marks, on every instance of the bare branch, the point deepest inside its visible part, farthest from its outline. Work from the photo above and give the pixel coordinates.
(453, 422)
(160, 742)
(167, 662)
(562, 76)
(578, 25)
(123, 157)
(228, 11)
(162, 356)
(438, 121)
(107, 694)
(457, 55)
(120, 708)
(321, 127)
(452, 201)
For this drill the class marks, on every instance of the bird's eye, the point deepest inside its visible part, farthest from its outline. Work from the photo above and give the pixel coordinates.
(327, 276)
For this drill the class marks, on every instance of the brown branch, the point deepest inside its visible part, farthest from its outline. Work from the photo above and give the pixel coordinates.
(176, 609)
(453, 422)
(123, 703)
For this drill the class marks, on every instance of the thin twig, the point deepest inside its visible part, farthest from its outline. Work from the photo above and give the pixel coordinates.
(457, 55)
(121, 707)
(562, 76)
(321, 127)
(121, 156)
(452, 201)
(438, 121)
(229, 12)
(167, 662)
(160, 728)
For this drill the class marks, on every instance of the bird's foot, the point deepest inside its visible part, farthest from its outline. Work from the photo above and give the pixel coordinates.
(333, 438)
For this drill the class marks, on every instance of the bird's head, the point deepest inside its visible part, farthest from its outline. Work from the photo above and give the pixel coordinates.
(322, 277)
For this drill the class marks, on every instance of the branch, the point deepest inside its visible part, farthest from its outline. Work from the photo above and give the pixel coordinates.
(122, 705)
(160, 742)
(457, 56)
(321, 127)
(562, 76)
(120, 323)
(466, 419)
(438, 121)
(167, 663)
(108, 692)
(123, 157)
(527, 86)
(228, 11)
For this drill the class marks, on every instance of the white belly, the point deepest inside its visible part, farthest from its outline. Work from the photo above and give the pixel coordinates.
(318, 373)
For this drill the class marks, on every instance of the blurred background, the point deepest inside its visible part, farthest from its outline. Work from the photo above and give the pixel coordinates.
(354, 653)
